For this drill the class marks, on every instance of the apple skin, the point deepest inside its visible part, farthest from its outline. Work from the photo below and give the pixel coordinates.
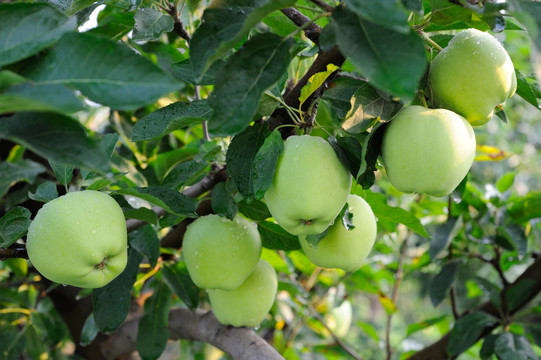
(310, 186)
(472, 75)
(342, 248)
(248, 304)
(221, 253)
(79, 239)
(427, 150)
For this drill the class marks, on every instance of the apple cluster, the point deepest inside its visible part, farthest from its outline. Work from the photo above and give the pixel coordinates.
(431, 150)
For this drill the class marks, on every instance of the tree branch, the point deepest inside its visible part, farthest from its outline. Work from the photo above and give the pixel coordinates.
(311, 31)
(14, 251)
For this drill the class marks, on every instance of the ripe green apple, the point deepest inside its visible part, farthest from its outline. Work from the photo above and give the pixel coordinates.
(310, 186)
(427, 150)
(221, 253)
(472, 75)
(342, 248)
(248, 304)
(79, 239)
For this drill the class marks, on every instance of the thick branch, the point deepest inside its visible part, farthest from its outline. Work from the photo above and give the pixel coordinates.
(311, 31)
(240, 343)
(14, 251)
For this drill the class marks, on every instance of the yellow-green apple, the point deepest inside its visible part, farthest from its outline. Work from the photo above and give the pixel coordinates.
(472, 75)
(221, 253)
(427, 150)
(342, 248)
(310, 186)
(248, 304)
(79, 239)
(339, 318)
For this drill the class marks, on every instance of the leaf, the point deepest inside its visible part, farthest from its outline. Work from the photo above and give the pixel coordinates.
(413, 328)
(440, 285)
(241, 82)
(390, 60)
(276, 238)
(505, 182)
(388, 13)
(169, 199)
(349, 151)
(264, 163)
(314, 82)
(12, 173)
(153, 333)
(224, 24)
(142, 214)
(183, 71)
(150, 24)
(526, 90)
(467, 331)
(63, 173)
(90, 331)
(339, 94)
(490, 153)
(13, 225)
(314, 239)
(369, 156)
(387, 303)
(222, 201)
(45, 192)
(178, 279)
(443, 235)
(111, 303)
(146, 242)
(255, 210)
(525, 208)
(105, 71)
(28, 28)
(517, 294)
(509, 346)
(487, 349)
(172, 117)
(55, 137)
(77, 5)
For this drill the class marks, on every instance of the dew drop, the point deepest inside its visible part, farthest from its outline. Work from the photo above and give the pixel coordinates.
(93, 231)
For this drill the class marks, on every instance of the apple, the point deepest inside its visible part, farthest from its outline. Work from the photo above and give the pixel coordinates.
(79, 239)
(221, 253)
(248, 304)
(342, 248)
(427, 150)
(339, 318)
(472, 75)
(310, 186)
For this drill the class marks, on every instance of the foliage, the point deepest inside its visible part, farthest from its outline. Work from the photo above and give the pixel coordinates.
(176, 110)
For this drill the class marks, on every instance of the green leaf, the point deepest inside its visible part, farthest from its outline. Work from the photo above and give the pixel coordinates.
(467, 331)
(183, 71)
(105, 71)
(339, 94)
(169, 199)
(146, 242)
(111, 303)
(314, 239)
(255, 209)
(170, 118)
(150, 24)
(505, 182)
(28, 28)
(90, 331)
(369, 156)
(516, 295)
(413, 328)
(369, 330)
(390, 60)
(55, 137)
(509, 346)
(525, 208)
(314, 82)
(153, 333)
(12, 173)
(444, 234)
(487, 349)
(77, 5)
(178, 279)
(241, 82)
(349, 151)
(387, 13)
(440, 285)
(63, 173)
(264, 163)
(274, 237)
(39, 97)
(13, 343)
(13, 225)
(224, 24)
(378, 203)
(222, 201)
(45, 192)
(142, 214)
(526, 90)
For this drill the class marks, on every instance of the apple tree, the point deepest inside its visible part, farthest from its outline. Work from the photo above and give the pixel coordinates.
(192, 116)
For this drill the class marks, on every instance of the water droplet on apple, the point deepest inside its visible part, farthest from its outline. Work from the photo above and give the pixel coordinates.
(93, 231)
(64, 284)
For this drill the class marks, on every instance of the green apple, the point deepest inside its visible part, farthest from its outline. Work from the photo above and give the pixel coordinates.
(248, 304)
(339, 318)
(79, 239)
(342, 248)
(221, 253)
(427, 150)
(472, 75)
(310, 186)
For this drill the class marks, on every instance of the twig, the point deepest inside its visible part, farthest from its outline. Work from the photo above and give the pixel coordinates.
(178, 26)
(323, 5)
(14, 251)
(312, 30)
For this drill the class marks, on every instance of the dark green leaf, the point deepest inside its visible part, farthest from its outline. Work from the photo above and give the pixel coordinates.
(264, 163)
(224, 24)
(444, 234)
(77, 5)
(222, 201)
(45, 192)
(467, 330)
(170, 118)
(388, 13)
(346, 218)
(516, 295)
(276, 238)
(527, 90)
(143, 214)
(183, 71)
(153, 333)
(13, 343)
(111, 303)
(390, 60)
(255, 210)
(12, 173)
(13, 225)
(166, 198)
(150, 24)
(525, 208)
(103, 70)
(440, 285)
(27, 28)
(314, 240)
(413, 328)
(63, 173)
(494, 292)
(185, 173)
(340, 93)
(488, 347)
(509, 346)
(370, 152)
(90, 331)
(535, 332)
(146, 242)
(259, 64)
(349, 151)
(178, 279)
(55, 137)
